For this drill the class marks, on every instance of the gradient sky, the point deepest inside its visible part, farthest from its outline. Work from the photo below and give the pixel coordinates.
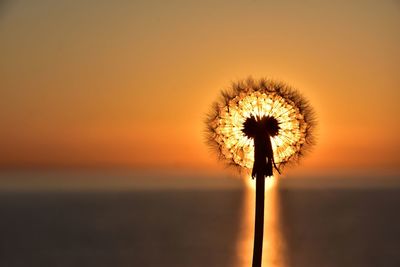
(127, 83)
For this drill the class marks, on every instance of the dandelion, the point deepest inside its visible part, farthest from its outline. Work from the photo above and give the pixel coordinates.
(262, 126)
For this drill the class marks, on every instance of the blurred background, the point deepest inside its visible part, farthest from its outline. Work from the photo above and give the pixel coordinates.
(102, 153)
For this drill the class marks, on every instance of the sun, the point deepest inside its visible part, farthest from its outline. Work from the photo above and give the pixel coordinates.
(260, 100)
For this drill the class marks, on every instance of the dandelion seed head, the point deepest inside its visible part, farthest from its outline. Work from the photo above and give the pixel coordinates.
(288, 117)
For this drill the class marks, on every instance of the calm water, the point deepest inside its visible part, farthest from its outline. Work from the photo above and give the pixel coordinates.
(336, 226)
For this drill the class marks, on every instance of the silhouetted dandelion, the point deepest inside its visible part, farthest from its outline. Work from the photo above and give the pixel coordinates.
(260, 125)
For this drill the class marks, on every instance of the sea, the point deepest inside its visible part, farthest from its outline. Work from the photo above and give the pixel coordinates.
(139, 218)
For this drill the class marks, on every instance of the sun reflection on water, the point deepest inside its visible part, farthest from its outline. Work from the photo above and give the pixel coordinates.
(274, 254)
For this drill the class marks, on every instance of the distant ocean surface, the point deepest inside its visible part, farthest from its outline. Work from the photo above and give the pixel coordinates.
(83, 219)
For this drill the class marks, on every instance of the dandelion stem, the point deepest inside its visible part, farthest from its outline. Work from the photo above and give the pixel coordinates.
(259, 220)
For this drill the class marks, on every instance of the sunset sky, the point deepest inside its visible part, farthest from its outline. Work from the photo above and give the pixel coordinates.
(128, 83)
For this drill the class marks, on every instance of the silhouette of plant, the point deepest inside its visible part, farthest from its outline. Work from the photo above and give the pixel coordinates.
(260, 125)
(260, 100)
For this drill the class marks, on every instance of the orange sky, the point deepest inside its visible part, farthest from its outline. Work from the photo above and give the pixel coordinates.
(128, 84)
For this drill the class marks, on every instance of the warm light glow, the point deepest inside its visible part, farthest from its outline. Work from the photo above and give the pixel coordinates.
(240, 147)
(270, 182)
(274, 248)
(259, 99)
